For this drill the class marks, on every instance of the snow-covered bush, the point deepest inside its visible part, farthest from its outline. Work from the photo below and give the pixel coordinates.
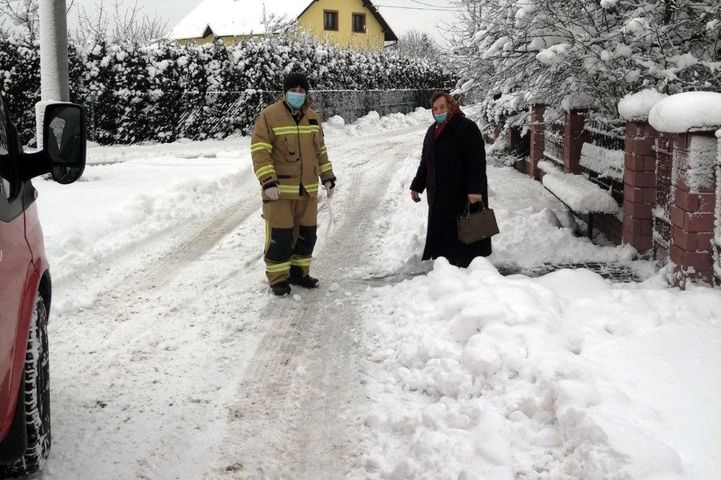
(20, 82)
(168, 91)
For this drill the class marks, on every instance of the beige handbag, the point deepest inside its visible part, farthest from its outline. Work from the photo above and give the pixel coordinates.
(476, 226)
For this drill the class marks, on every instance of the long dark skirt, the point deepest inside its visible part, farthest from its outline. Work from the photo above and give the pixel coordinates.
(442, 240)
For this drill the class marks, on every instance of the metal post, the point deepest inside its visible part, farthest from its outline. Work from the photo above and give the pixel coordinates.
(54, 51)
(54, 79)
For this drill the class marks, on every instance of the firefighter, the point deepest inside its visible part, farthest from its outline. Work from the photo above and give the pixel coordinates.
(289, 155)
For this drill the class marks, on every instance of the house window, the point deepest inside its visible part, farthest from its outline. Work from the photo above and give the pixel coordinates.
(359, 22)
(330, 20)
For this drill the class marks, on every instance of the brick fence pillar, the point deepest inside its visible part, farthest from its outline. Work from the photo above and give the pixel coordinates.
(693, 207)
(538, 139)
(573, 138)
(639, 185)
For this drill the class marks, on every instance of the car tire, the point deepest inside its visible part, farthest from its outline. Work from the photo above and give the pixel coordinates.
(36, 397)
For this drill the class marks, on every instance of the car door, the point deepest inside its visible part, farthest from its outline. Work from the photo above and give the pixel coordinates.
(15, 260)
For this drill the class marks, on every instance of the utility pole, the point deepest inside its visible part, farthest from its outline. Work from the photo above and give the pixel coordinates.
(54, 80)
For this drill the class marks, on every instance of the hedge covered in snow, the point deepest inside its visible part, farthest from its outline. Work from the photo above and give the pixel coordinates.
(168, 91)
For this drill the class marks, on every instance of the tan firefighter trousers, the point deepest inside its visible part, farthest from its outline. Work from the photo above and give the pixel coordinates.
(290, 235)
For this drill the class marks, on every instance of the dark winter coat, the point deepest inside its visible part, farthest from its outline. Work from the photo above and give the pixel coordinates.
(451, 167)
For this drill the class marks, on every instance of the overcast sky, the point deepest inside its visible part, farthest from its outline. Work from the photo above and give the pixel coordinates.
(402, 15)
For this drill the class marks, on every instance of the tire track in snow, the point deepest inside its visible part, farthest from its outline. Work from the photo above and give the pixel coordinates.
(299, 413)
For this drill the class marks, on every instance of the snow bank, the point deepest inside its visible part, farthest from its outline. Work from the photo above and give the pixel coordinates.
(688, 111)
(636, 106)
(475, 375)
(580, 194)
(373, 122)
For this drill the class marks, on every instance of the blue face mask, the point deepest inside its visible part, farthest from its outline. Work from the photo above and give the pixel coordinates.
(296, 100)
(441, 118)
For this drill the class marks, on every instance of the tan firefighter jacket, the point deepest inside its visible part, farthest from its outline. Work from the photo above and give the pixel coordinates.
(289, 154)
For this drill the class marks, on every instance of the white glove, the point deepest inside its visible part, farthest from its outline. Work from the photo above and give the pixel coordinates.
(272, 193)
(329, 189)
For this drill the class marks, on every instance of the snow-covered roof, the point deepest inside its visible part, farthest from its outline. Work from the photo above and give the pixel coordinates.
(227, 18)
(687, 111)
(235, 17)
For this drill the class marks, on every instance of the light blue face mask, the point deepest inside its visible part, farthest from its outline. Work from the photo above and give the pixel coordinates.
(296, 100)
(441, 117)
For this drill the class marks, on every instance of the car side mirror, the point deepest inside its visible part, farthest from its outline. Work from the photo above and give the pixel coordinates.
(64, 141)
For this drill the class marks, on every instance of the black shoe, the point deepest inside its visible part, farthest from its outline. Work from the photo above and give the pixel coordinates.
(281, 288)
(305, 282)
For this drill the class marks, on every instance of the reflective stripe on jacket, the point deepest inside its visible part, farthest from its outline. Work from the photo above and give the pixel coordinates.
(289, 154)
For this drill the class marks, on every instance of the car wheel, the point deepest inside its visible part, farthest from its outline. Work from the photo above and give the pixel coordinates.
(36, 397)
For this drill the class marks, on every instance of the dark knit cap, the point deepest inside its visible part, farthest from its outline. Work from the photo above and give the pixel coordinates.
(295, 79)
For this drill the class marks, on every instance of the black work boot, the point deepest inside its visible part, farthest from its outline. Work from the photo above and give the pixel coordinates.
(304, 281)
(281, 288)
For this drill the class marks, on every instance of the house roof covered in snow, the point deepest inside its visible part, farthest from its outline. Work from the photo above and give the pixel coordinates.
(225, 18)
(234, 17)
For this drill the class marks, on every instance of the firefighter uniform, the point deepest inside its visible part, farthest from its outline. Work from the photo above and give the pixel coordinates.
(289, 153)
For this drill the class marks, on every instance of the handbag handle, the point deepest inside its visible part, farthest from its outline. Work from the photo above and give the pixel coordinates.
(467, 211)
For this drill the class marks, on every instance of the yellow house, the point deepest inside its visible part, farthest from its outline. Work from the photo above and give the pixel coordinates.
(346, 23)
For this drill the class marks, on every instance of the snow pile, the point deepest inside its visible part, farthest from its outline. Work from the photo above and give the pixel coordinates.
(636, 106)
(689, 111)
(581, 195)
(373, 122)
(607, 163)
(478, 376)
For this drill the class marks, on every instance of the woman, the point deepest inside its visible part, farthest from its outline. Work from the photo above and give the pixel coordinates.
(453, 170)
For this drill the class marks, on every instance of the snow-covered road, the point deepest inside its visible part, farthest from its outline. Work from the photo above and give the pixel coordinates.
(170, 360)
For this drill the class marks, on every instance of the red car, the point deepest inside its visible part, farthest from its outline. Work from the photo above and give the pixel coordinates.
(25, 288)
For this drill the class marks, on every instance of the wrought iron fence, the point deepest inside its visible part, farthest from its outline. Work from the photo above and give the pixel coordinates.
(602, 155)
